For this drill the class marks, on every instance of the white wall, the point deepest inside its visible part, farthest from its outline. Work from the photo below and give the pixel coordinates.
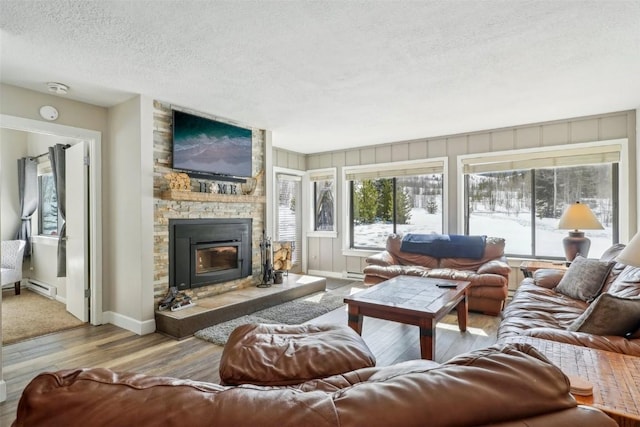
(128, 216)
(13, 145)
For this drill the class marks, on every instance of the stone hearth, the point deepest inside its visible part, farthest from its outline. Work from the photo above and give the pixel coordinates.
(229, 305)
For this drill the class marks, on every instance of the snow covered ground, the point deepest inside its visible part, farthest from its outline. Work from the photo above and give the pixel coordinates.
(514, 228)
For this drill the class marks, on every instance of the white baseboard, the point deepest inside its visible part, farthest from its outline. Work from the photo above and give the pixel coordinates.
(331, 274)
(136, 326)
(354, 276)
(42, 288)
(336, 275)
(3, 390)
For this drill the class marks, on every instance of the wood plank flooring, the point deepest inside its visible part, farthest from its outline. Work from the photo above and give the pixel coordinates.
(155, 354)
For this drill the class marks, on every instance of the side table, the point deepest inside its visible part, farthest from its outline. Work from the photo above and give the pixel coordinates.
(615, 377)
(529, 267)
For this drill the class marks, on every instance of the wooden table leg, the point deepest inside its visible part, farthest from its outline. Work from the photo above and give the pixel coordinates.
(463, 313)
(355, 319)
(427, 339)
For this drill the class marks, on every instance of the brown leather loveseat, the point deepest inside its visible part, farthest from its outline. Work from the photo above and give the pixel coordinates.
(504, 385)
(489, 274)
(607, 318)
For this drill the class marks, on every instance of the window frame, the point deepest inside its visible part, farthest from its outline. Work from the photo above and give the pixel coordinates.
(383, 168)
(621, 202)
(311, 177)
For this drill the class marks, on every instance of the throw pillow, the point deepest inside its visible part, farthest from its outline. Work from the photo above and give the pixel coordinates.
(584, 279)
(609, 315)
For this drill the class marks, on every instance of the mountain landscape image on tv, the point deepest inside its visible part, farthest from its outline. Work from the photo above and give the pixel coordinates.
(209, 146)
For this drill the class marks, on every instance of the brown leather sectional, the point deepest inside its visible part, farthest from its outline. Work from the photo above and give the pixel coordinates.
(489, 276)
(537, 310)
(504, 385)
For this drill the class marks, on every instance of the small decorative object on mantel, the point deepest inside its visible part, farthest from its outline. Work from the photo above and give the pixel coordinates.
(249, 186)
(178, 181)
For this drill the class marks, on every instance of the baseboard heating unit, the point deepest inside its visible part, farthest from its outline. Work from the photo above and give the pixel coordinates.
(42, 288)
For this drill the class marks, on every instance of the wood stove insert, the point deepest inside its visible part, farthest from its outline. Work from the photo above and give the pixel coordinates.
(208, 251)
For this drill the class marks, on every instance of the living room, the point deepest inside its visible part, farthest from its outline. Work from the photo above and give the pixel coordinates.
(126, 277)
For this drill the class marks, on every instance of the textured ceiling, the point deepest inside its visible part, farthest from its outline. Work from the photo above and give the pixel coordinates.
(325, 75)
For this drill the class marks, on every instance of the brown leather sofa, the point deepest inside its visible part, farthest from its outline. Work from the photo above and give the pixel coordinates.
(489, 276)
(504, 385)
(537, 310)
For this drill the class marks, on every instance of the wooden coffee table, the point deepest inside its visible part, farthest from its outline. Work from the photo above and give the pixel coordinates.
(413, 301)
(615, 377)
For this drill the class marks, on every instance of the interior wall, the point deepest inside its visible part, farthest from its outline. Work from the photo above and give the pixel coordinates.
(13, 145)
(325, 254)
(289, 160)
(129, 163)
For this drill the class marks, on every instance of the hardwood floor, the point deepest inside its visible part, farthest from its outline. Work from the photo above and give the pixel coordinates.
(155, 354)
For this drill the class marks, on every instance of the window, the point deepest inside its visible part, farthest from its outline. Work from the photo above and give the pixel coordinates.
(524, 205)
(396, 198)
(47, 205)
(323, 196)
(288, 214)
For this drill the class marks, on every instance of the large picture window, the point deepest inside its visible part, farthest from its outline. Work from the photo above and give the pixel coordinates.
(403, 201)
(525, 205)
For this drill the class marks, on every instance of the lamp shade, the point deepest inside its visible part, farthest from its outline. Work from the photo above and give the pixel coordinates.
(578, 216)
(630, 255)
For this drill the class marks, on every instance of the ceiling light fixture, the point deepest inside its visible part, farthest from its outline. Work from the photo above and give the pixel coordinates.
(57, 88)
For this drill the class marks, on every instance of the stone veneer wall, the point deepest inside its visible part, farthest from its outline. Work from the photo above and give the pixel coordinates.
(170, 209)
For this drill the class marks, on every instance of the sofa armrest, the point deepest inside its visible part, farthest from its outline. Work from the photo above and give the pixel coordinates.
(495, 266)
(599, 342)
(383, 259)
(547, 277)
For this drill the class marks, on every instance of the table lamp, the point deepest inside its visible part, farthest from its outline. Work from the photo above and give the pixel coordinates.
(577, 216)
(630, 255)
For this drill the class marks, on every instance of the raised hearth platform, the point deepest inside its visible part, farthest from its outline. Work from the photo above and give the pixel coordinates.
(229, 305)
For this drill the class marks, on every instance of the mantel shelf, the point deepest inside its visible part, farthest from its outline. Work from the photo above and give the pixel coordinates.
(194, 196)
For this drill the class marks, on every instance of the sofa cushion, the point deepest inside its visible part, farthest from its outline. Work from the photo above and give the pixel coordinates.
(535, 306)
(584, 279)
(609, 315)
(494, 249)
(406, 258)
(291, 354)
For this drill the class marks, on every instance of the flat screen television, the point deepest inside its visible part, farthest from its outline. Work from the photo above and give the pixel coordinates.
(210, 147)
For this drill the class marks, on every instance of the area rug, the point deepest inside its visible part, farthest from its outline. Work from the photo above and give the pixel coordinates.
(290, 313)
(30, 315)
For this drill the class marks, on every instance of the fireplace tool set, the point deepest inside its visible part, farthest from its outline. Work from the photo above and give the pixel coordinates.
(267, 276)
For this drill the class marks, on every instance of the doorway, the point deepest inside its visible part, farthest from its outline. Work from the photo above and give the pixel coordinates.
(92, 250)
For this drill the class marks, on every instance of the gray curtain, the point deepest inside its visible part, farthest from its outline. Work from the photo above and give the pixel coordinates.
(57, 158)
(28, 193)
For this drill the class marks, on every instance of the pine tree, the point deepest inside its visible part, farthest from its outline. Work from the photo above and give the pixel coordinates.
(431, 206)
(366, 198)
(403, 206)
(385, 203)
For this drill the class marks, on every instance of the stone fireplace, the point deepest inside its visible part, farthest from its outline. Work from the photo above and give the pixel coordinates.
(208, 251)
(172, 206)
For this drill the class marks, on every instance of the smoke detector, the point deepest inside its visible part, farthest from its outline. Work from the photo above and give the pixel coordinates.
(57, 88)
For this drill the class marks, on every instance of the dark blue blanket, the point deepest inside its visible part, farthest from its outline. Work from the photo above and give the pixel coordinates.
(444, 246)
